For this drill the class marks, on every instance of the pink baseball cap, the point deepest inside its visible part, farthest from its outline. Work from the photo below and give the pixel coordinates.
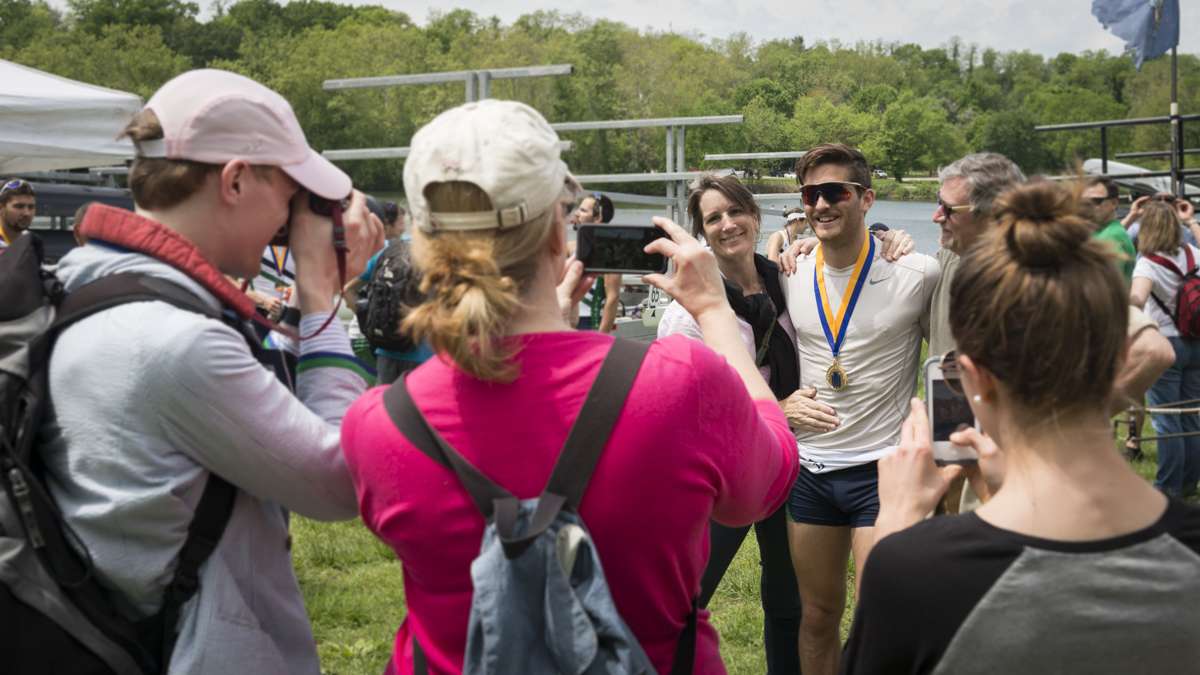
(214, 116)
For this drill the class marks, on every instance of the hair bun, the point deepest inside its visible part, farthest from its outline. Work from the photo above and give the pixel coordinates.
(1042, 225)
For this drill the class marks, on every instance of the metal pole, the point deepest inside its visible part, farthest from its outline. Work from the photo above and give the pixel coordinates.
(1176, 127)
(681, 190)
(471, 89)
(671, 166)
(485, 84)
(1103, 149)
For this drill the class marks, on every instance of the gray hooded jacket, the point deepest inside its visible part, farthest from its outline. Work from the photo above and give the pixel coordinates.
(147, 399)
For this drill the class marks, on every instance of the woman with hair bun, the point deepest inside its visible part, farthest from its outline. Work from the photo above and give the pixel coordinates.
(1164, 257)
(1075, 564)
(699, 436)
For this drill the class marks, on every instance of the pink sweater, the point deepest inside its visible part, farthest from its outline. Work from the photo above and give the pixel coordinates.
(690, 446)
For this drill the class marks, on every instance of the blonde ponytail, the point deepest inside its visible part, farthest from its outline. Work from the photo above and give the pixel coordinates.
(473, 282)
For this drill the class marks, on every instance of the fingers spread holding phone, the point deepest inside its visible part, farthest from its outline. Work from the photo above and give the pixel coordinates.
(806, 413)
(988, 475)
(696, 283)
(910, 484)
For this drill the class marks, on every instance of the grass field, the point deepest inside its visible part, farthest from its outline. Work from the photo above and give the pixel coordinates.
(352, 587)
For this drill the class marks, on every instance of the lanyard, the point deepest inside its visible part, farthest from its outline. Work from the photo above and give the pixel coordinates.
(836, 326)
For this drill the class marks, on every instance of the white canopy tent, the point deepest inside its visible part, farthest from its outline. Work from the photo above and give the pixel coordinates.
(49, 122)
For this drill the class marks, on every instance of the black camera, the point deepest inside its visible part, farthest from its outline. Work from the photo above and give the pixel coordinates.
(318, 205)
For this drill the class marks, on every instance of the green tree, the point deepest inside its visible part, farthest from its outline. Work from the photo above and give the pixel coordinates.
(1058, 104)
(915, 134)
(133, 59)
(22, 21)
(1010, 133)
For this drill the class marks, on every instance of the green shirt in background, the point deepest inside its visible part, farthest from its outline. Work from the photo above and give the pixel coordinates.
(1115, 232)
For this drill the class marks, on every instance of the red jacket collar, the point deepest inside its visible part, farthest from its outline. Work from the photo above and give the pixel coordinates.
(136, 233)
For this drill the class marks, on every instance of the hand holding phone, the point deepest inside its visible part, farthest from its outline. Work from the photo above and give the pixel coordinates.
(949, 412)
(620, 249)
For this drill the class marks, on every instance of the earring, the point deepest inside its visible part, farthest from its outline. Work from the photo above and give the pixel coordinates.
(977, 398)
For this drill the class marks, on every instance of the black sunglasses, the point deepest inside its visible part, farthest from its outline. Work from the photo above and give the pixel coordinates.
(1097, 201)
(951, 210)
(950, 374)
(832, 193)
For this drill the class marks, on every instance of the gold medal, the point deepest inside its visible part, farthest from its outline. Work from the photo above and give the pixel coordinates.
(836, 376)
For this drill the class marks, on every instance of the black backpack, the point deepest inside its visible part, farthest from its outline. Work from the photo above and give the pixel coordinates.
(393, 289)
(54, 615)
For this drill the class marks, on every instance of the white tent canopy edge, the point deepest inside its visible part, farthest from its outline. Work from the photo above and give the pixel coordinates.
(49, 122)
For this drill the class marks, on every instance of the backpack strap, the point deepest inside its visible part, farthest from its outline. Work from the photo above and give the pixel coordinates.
(1163, 261)
(216, 503)
(685, 650)
(409, 420)
(1168, 263)
(581, 452)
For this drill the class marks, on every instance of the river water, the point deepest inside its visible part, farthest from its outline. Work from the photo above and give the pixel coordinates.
(914, 217)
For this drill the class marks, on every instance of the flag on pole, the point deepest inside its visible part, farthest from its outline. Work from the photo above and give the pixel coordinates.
(1149, 28)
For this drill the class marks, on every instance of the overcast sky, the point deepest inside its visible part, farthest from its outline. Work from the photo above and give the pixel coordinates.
(1044, 26)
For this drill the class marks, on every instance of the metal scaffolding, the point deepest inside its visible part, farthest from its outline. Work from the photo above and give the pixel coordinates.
(477, 83)
(676, 175)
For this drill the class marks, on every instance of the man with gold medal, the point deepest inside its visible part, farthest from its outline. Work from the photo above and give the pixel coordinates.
(859, 323)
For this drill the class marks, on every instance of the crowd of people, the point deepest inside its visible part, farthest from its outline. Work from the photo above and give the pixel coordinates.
(778, 395)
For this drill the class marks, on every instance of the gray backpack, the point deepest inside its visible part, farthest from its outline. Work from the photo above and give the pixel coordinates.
(541, 603)
(55, 615)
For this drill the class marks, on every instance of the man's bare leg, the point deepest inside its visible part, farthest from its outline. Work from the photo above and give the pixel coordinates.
(861, 540)
(819, 554)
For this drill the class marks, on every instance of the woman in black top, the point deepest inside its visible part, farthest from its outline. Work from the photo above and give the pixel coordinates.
(1076, 564)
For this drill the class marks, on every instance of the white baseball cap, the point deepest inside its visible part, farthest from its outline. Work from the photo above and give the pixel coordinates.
(796, 215)
(505, 148)
(214, 116)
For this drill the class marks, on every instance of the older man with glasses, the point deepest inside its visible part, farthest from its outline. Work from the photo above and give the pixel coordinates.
(18, 205)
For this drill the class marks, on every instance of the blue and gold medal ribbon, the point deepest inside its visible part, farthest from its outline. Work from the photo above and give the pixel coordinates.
(836, 326)
(280, 261)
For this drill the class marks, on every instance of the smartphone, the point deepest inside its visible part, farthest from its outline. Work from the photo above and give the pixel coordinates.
(949, 411)
(619, 248)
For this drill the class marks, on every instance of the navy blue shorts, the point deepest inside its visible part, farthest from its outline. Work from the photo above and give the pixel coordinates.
(842, 498)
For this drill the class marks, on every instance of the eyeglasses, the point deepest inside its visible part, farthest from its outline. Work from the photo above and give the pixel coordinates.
(832, 192)
(950, 210)
(950, 374)
(1097, 201)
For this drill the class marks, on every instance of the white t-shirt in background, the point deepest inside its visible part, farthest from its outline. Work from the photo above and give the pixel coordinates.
(1166, 286)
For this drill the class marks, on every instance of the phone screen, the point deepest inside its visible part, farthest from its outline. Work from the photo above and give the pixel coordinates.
(950, 410)
(618, 248)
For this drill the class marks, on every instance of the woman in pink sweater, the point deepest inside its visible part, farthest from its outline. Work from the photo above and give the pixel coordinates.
(700, 436)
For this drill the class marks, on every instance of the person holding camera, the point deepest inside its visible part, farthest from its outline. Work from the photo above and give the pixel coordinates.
(1075, 564)
(153, 402)
(490, 239)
